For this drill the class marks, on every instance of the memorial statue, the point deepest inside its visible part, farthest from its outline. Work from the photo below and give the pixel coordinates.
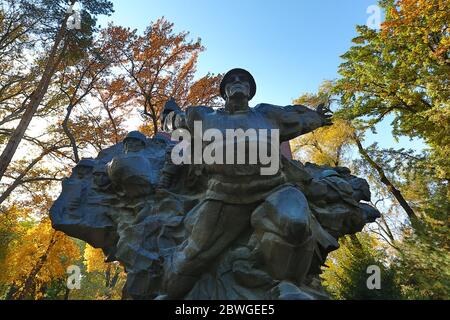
(221, 214)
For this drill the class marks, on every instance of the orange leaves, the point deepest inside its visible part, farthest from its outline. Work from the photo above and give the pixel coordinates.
(158, 65)
(425, 20)
(87, 108)
(205, 91)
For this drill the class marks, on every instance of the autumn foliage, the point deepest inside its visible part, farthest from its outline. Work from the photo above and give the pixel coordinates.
(116, 80)
(68, 94)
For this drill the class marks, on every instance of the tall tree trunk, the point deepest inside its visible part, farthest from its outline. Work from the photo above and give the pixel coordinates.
(384, 179)
(69, 134)
(29, 282)
(36, 97)
(155, 124)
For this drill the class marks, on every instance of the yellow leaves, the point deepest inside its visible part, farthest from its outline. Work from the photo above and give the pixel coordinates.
(111, 274)
(13, 214)
(147, 129)
(42, 250)
(94, 259)
(325, 146)
(37, 257)
(65, 252)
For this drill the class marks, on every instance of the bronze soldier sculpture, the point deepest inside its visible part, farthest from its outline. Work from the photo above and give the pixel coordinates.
(219, 230)
(235, 198)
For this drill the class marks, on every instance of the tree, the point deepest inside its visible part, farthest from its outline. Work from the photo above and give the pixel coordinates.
(115, 100)
(40, 256)
(27, 174)
(159, 65)
(422, 263)
(326, 145)
(72, 86)
(16, 79)
(77, 82)
(50, 21)
(85, 109)
(345, 276)
(381, 172)
(402, 71)
(333, 146)
(112, 272)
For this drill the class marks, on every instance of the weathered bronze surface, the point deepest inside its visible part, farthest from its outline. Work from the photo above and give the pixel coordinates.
(217, 231)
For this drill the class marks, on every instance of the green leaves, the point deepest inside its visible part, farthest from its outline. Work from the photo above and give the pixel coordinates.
(401, 71)
(346, 274)
(397, 71)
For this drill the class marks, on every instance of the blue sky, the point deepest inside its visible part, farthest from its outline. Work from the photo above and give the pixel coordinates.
(289, 46)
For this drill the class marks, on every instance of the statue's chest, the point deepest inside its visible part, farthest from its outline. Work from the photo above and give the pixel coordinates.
(224, 121)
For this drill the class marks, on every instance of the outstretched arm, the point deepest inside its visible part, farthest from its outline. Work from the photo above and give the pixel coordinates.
(325, 113)
(296, 120)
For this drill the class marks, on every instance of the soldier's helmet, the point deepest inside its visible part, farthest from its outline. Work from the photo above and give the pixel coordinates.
(137, 136)
(86, 162)
(227, 77)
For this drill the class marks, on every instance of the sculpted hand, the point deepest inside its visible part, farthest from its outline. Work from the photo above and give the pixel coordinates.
(325, 113)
